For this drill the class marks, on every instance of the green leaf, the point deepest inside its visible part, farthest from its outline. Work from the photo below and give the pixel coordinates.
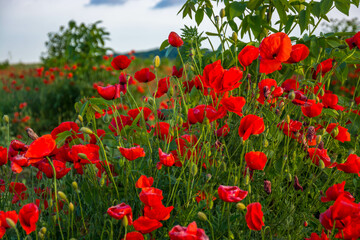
(316, 9)
(254, 4)
(304, 17)
(164, 44)
(236, 9)
(199, 16)
(326, 6)
(289, 23)
(255, 24)
(211, 34)
(281, 10)
(331, 112)
(356, 2)
(233, 26)
(208, 12)
(343, 6)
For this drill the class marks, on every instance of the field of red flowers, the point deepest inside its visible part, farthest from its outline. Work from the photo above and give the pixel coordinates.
(252, 140)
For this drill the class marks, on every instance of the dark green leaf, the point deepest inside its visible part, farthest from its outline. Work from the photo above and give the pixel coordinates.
(356, 2)
(304, 17)
(211, 34)
(233, 25)
(326, 6)
(255, 24)
(236, 9)
(164, 44)
(254, 4)
(281, 10)
(199, 16)
(316, 9)
(169, 50)
(208, 12)
(289, 23)
(343, 6)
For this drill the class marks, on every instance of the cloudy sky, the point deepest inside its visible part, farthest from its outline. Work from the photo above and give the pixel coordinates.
(133, 24)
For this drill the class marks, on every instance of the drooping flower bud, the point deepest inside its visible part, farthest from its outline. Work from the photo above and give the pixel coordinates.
(222, 13)
(10, 222)
(267, 186)
(62, 195)
(202, 216)
(297, 185)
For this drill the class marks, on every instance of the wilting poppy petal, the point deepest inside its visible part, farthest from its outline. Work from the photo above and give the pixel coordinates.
(144, 182)
(231, 193)
(298, 53)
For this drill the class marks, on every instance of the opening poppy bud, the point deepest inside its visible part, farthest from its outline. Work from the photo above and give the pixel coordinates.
(62, 195)
(240, 206)
(305, 224)
(43, 230)
(318, 139)
(194, 169)
(82, 156)
(6, 118)
(156, 61)
(321, 164)
(202, 216)
(222, 13)
(86, 130)
(10, 222)
(291, 95)
(74, 185)
(71, 207)
(125, 221)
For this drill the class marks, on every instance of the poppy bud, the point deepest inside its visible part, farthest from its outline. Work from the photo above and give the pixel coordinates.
(62, 195)
(43, 230)
(211, 204)
(86, 130)
(224, 166)
(83, 156)
(10, 222)
(222, 13)
(240, 206)
(266, 143)
(156, 61)
(53, 218)
(289, 177)
(202, 216)
(305, 224)
(125, 221)
(217, 20)
(194, 169)
(247, 179)
(170, 93)
(321, 92)
(71, 207)
(288, 119)
(234, 36)
(74, 185)
(6, 118)
(335, 132)
(267, 186)
(80, 118)
(77, 121)
(318, 139)
(291, 95)
(41, 236)
(231, 235)
(151, 101)
(317, 99)
(321, 164)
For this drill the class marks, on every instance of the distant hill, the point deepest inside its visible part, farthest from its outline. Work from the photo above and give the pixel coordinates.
(152, 53)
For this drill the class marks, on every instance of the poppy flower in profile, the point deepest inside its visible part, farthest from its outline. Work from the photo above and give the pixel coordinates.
(41, 147)
(251, 125)
(231, 193)
(19, 191)
(160, 213)
(163, 87)
(313, 110)
(175, 40)
(120, 211)
(298, 53)
(198, 114)
(110, 92)
(333, 192)
(341, 134)
(118, 123)
(354, 41)
(144, 182)
(274, 50)
(290, 129)
(162, 130)
(28, 216)
(234, 104)
(351, 165)
(331, 101)
(120, 62)
(186, 233)
(165, 159)
(324, 67)
(314, 236)
(65, 126)
(317, 154)
(144, 75)
(290, 84)
(60, 168)
(134, 236)
(151, 196)
(177, 73)
(146, 225)
(254, 216)
(256, 160)
(3, 224)
(265, 87)
(132, 153)
(3, 156)
(223, 131)
(247, 55)
(133, 113)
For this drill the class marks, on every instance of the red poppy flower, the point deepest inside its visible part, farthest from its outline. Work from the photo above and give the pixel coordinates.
(118, 123)
(3, 224)
(3, 156)
(19, 190)
(110, 92)
(198, 114)
(160, 213)
(314, 236)
(146, 225)
(163, 87)
(330, 101)
(290, 129)
(186, 233)
(265, 87)
(354, 41)
(176, 73)
(274, 50)
(144, 75)
(175, 40)
(219, 79)
(290, 84)
(2, 185)
(60, 168)
(342, 134)
(132, 153)
(41, 147)
(351, 165)
(298, 53)
(251, 125)
(144, 182)
(165, 159)
(317, 154)
(223, 131)
(134, 236)
(120, 62)
(256, 160)
(313, 110)
(162, 130)
(333, 192)
(91, 152)
(231, 193)
(133, 113)
(234, 104)
(323, 67)
(151, 196)
(28, 216)
(327, 221)
(344, 207)
(254, 216)
(247, 55)
(121, 210)
(65, 126)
